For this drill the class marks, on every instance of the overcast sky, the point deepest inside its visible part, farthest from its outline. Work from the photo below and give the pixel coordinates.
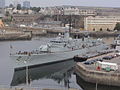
(44, 3)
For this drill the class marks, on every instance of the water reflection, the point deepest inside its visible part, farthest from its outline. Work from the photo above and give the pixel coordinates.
(90, 86)
(57, 72)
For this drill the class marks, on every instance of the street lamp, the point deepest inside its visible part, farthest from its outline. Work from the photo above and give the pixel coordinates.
(26, 73)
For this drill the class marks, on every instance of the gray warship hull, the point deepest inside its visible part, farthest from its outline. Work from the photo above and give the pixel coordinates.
(46, 58)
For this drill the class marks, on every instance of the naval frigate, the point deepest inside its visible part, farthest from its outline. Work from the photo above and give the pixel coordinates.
(61, 48)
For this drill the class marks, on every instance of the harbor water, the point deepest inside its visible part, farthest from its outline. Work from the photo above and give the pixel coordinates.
(58, 75)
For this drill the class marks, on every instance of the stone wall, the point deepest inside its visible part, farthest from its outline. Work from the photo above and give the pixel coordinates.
(25, 18)
(101, 22)
(104, 27)
(105, 78)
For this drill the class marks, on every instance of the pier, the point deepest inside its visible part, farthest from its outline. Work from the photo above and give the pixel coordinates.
(90, 73)
(38, 31)
(15, 36)
(8, 34)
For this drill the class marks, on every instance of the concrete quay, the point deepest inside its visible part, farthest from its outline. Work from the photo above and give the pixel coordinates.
(80, 34)
(96, 34)
(34, 31)
(89, 73)
(74, 32)
(15, 36)
(18, 33)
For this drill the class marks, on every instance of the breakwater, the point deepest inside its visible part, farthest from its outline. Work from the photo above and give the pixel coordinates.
(15, 36)
(74, 33)
(98, 34)
(19, 33)
(93, 76)
(80, 34)
(34, 31)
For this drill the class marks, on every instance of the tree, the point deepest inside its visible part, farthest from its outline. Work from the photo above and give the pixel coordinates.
(19, 7)
(117, 27)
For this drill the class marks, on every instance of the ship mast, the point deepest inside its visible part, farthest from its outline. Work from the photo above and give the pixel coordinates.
(67, 32)
(68, 29)
(70, 24)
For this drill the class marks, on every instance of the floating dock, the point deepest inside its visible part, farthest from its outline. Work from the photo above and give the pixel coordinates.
(90, 73)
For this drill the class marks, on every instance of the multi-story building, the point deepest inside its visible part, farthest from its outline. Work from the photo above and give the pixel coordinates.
(51, 11)
(26, 4)
(67, 10)
(15, 11)
(2, 3)
(101, 22)
(45, 11)
(71, 11)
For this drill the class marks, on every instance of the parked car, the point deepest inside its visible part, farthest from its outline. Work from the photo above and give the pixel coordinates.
(108, 57)
(89, 62)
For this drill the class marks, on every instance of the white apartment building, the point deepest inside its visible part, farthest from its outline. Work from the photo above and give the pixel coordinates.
(71, 11)
(67, 11)
(51, 11)
(15, 11)
(46, 11)
(10, 10)
(101, 22)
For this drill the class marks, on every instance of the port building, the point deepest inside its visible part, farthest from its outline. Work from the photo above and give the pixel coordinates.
(98, 23)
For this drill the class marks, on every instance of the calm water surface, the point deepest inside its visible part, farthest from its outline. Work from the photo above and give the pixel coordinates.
(50, 76)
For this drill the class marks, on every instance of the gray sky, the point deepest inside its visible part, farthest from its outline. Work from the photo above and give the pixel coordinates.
(44, 3)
